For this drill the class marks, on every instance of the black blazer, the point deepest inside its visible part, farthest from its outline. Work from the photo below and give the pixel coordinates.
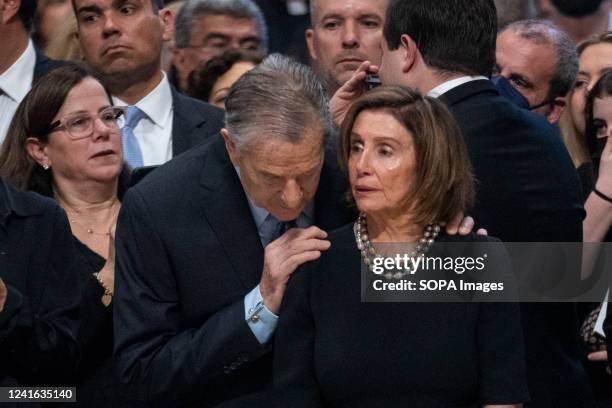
(193, 122)
(188, 251)
(331, 349)
(527, 190)
(38, 325)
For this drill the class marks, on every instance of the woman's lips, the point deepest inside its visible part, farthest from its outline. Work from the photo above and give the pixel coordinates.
(103, 153)
(360, 190)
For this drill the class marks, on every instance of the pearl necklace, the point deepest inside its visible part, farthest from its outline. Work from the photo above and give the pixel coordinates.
(368, 253)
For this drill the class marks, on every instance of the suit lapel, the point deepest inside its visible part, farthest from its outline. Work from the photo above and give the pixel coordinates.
(186, 121)
(226, 210)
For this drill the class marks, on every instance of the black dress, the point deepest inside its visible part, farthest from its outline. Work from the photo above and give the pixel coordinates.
(332, 350)
(95, 375)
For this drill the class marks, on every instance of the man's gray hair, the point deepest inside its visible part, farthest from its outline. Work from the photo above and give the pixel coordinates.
(545, 33)
(280, 98)
(192, 9)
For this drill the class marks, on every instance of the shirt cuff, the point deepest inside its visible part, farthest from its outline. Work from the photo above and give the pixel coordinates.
(261, 321)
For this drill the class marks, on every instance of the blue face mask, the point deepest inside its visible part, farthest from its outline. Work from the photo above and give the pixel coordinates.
(507, 91)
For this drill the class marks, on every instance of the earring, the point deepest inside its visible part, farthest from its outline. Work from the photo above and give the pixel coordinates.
(45, 166)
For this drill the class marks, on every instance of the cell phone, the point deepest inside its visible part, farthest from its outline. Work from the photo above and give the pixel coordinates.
(372, 81)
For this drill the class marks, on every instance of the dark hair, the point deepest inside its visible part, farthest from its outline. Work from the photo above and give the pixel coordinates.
(33, 118)
(453, 36)
(577, 8)
(203, 78)
(601, 89)
(27, 10)
(444, 185)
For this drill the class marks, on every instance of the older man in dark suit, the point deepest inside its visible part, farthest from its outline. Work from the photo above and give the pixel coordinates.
(527, 187)
(197, 295)
(122, 43)
(21, 63)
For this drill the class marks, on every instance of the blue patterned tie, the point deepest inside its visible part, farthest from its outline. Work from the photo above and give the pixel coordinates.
(131, 150)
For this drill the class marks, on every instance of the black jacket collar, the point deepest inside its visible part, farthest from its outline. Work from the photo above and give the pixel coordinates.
(16, 202)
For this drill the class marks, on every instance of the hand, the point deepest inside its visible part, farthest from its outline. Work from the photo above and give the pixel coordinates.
(283, 256)
(352, 89)
(3, 293)
(600, 356)
(604, 180)
(107, 273)
(463, 226)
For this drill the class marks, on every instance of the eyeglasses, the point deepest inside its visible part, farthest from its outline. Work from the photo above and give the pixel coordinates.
(81, 125)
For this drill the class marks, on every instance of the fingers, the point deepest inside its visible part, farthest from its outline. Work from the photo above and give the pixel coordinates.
(355, 83)
(453, 225)
(467, 225)
(482, 231)
(598, 356)
(3, 294)
(299, 233)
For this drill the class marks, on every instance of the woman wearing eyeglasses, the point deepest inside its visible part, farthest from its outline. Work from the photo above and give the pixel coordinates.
(65, 142)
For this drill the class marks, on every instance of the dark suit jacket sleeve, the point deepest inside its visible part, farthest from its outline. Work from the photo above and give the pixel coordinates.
(159, 358)
(38, 335)
(500, 342)
(294, 374)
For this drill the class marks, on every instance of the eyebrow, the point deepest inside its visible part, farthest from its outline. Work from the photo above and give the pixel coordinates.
(84, 111)
(89, 9)
(358, 138)
(341, 17)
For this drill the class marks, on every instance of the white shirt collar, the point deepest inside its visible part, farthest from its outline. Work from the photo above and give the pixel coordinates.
(17, 80)
(453, 83)
(157, 105)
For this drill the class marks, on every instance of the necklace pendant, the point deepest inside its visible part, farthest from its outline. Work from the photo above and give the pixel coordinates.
(89, 230)
(106, 299)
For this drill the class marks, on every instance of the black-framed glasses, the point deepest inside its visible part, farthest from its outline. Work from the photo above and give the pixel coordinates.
(80, 125)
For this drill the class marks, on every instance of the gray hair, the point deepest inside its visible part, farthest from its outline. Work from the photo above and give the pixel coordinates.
(192, 9)
(279, 98)
(545, 33)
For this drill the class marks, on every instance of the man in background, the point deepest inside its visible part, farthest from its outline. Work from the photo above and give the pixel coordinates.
(122, 43)
(540, 62)
(20, 62)
(343, 34)
(207, 28)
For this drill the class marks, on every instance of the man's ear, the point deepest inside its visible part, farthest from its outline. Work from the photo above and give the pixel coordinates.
(410, 52)
(167, 20)
(36, 150)
(10, 9)
(230, 146)
(557, 106)
(309, 34)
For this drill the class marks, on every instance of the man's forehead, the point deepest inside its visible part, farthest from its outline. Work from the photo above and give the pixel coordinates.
(86, 4)
(227, 25)
(324, 8)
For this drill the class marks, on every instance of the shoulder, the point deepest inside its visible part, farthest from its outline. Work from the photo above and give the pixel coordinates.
(471, 237)
(177, 176)
(45, 64)
(189, 106)
(26, 203)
